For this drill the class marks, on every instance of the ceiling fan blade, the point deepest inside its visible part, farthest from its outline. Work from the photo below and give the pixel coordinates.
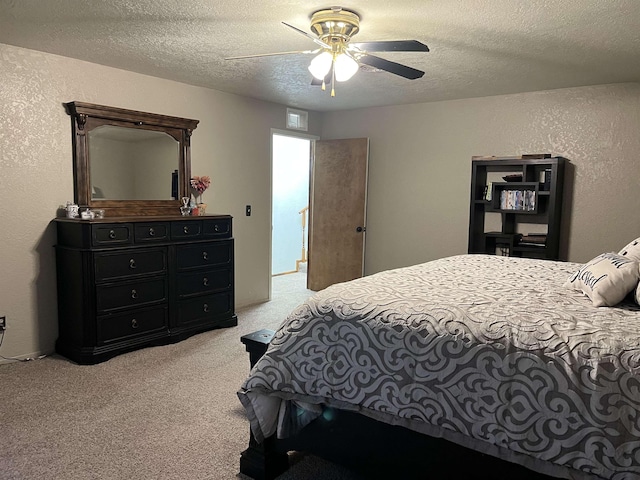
(391, 46)
(308, 35)
(272, 54)
(391, 67)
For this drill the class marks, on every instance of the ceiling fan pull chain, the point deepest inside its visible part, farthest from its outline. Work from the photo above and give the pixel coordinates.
(333, 76)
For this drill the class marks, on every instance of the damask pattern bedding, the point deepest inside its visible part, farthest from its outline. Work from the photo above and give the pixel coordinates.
(489, 352)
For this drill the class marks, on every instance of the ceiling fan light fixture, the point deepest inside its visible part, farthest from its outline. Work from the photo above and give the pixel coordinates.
(335, 22)
(345, 67)
(321, 65)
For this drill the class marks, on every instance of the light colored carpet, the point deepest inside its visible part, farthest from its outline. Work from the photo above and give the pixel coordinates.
(167, 412)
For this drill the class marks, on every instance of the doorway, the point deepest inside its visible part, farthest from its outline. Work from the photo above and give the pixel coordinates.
(291, 161)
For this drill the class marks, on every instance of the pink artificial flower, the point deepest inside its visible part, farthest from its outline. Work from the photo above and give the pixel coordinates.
(200, 184)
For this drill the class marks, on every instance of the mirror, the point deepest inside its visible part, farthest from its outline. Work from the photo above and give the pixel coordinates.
(132, 164)
(128, 162)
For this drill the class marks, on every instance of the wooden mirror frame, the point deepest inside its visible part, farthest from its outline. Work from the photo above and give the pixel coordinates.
(87, 116)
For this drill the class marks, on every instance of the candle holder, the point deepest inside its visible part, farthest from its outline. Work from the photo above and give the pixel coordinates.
(185, 209)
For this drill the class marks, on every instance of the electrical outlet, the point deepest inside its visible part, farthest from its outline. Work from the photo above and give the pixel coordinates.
(3, 323)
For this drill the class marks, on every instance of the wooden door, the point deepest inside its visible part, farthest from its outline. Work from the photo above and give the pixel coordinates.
(338, 199)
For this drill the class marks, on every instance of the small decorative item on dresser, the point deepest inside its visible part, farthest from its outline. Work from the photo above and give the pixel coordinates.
(87, 214)
(199, 185)
(185, 209)
(72, 210)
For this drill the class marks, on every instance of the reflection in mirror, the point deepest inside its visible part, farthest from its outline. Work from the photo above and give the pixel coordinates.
(132, 164)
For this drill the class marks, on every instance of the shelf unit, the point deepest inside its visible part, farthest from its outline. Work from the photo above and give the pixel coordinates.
(535, 197)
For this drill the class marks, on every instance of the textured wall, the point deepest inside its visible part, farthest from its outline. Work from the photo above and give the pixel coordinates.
(232, 144)
(420, 166)
(419, 170)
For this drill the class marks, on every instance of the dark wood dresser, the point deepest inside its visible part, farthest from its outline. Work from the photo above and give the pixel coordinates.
(128, 283)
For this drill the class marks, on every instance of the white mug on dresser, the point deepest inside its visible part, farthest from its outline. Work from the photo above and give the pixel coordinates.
(72, 210)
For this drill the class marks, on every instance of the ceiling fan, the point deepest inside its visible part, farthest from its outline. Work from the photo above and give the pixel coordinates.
(337, 59)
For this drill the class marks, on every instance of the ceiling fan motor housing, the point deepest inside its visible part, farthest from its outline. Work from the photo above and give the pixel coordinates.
(335, 26)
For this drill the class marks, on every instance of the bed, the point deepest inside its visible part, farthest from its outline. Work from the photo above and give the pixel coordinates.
(495, 354)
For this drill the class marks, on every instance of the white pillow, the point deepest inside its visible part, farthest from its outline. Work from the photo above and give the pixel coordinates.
(637, 294)
(632, 250)
(606, 279)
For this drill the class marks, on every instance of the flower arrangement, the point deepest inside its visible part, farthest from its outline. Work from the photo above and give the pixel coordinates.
(199, 185)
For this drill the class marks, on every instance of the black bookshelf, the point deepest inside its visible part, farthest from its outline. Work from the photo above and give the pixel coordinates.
(522, 190)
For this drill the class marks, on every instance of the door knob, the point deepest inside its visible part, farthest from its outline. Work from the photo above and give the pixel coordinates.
(361, 229)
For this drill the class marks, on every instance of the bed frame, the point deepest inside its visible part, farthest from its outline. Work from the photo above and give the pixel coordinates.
(374, 448)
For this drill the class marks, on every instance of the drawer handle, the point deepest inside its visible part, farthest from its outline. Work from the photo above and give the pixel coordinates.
(132, 264)
(185, 229)
(134, 294)
(112, 234)
(134, 323)
(205, 281)
(205, 308)
(216, 228)
(152, 232)
(205, 255)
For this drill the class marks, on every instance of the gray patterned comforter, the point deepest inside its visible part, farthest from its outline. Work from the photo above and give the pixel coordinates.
(489, 352)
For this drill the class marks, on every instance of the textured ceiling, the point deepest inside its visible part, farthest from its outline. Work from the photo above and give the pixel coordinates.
(478, 47)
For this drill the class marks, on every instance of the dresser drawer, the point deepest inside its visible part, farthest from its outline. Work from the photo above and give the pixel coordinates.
(151, 232)
(114, 328)
(204, 254)
(204, 281)
(128, 263)
(110, 234)
(220, 228)
(203, 309)
(187, 230)
(125, 295)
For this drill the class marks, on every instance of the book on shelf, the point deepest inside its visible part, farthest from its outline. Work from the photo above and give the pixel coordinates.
(533, 240)
(488, 191)
(518, 200)
(546, 184)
